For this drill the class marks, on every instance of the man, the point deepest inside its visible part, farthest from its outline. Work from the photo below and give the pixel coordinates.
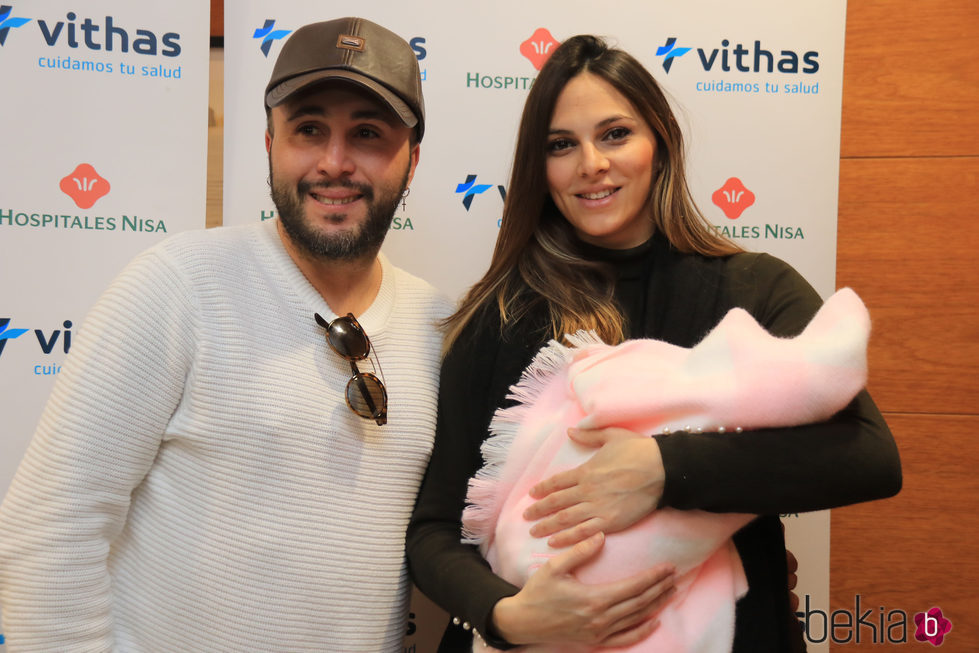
(213, 470)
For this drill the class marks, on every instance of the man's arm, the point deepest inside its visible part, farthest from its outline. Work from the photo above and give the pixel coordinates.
(96, 440)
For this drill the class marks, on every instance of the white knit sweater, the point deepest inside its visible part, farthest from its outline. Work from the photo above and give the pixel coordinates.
(197, 482)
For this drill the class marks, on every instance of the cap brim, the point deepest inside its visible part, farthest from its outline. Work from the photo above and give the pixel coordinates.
(282, 91)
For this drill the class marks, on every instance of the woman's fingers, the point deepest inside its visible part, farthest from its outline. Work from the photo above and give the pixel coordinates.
(639, 612)
(566, 562)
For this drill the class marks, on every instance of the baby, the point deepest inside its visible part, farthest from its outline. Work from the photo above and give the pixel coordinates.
(650, 387)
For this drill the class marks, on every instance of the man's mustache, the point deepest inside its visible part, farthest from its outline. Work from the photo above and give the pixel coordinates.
(365, 190)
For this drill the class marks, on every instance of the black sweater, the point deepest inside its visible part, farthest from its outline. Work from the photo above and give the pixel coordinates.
(677, 298)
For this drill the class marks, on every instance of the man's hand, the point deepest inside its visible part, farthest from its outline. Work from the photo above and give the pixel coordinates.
(793, 566)
(614, 489)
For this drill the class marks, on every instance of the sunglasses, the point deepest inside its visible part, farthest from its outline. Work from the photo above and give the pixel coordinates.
(365, 393)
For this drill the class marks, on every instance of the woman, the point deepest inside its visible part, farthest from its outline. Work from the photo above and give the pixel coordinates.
(599, 232)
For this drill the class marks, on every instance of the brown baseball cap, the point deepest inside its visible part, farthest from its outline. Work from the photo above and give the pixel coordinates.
(355, 50)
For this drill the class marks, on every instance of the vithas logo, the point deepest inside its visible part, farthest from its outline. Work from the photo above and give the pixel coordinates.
(93, 35)
(8, 334)
(268, 35)
(45, 342)
(85, 186)
(668, 52)
(471, 189)
(753, 59)
(8, 22)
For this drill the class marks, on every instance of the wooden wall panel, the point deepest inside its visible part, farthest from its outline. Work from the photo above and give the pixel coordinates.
(910, 78)
(908, 245)
(215, 177)
(918, 549)
(908, 237)
(217, 18)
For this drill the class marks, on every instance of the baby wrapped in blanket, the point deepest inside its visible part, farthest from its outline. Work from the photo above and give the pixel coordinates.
(738, 377)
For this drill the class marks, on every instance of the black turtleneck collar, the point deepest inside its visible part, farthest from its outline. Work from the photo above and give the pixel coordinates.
(628, 263)
(633, 269)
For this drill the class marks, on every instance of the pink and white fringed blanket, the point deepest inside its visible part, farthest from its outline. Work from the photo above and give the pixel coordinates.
(738, 377)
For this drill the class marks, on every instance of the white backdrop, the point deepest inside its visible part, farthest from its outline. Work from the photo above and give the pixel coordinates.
(104, 120)
(757, 87)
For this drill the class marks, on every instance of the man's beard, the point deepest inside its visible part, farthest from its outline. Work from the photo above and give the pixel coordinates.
(359, 242)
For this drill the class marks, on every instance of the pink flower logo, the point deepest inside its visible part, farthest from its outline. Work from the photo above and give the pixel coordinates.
(539, 47)
(733, 198)
(85, 186)
(932, 626)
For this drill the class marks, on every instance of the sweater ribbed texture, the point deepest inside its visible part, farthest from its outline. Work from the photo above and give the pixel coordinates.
(197, 482)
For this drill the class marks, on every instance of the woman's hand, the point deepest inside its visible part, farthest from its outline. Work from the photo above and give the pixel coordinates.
(615, 488)
(554, 606)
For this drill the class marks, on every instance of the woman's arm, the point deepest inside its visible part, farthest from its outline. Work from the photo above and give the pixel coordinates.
(851, 457)
(846, 459)
(476, 375)
(451, 573)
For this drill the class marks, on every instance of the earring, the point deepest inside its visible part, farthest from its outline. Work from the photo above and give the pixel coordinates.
(404, 196)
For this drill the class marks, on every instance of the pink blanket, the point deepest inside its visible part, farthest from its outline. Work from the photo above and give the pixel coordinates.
(738, 377)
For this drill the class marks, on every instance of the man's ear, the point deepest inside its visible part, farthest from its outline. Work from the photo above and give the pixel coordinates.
(415, 155)
(268, 141)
